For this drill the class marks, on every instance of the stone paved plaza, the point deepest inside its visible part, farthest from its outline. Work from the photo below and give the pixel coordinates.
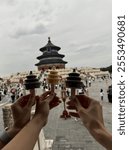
(71, 134)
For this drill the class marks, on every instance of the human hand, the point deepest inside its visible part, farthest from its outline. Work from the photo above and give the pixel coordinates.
(88, 109)
(21, 110)
(45, 102)
(90, 112)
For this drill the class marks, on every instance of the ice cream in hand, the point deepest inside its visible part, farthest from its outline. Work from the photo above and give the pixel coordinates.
(31, 82)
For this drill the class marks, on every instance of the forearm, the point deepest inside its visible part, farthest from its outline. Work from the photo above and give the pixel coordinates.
(103, 137)
(27, 137)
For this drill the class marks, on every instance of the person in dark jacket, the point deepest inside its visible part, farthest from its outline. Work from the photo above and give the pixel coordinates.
(109, 94)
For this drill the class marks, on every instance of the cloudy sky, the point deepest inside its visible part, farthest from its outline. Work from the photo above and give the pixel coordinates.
(82, 28)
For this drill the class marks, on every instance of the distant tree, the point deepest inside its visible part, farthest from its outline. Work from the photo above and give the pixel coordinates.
(109, 68)
(1, 79)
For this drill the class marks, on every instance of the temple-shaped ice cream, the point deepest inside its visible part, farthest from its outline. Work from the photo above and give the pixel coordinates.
(31, 82)
(73, 81)
(53, 78)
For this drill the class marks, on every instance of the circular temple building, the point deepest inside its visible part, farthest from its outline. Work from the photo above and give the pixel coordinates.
(50, 57)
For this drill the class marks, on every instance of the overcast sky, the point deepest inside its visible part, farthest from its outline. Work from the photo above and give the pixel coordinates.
(82, 28)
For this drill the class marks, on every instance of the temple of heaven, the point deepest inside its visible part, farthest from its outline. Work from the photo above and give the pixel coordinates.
(50, 57)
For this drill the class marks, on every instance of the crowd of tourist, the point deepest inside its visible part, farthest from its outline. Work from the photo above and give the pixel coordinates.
(15, 90)
(12, 91)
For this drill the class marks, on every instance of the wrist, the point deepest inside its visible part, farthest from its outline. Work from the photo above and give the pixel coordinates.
(39, 120)
(108, 139)
(103, 137)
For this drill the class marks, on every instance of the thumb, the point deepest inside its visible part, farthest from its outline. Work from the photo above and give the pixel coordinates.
(81, 110)
(37, 103)
(77, 103)
(31, 100)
